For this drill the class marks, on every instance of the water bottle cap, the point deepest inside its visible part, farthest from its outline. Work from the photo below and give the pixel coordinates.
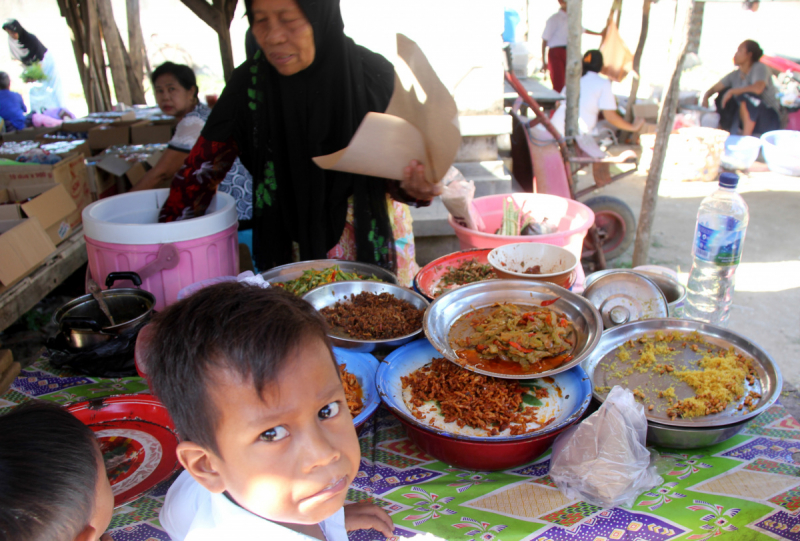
(728, 180)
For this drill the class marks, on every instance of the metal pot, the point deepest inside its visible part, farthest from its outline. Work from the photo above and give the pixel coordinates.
(85, 325)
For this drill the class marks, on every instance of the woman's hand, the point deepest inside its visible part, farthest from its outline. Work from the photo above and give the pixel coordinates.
(365, 515)
(415, 185)
(638, 124)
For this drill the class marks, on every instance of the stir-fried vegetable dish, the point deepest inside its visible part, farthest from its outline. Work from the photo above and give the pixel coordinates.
(526, 335)
(466, 273)
(314, 278)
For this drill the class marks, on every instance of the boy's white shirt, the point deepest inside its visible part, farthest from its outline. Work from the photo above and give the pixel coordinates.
(192, 513)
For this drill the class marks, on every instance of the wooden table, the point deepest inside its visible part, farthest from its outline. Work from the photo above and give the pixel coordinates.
(21, 297)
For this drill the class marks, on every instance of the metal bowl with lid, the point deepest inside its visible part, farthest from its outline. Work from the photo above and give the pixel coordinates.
(626, 296)
(447, 309)
(604, 367)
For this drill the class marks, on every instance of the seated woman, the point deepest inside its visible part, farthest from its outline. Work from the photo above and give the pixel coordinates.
(303, 93)
(746, 100)
(176, 93)
(596, 97)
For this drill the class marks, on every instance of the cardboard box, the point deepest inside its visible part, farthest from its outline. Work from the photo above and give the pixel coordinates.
(51, 205)
(114, 134)
(152, 132)
(24, 245)
(647, 111)
(28, 134)
(70, 172)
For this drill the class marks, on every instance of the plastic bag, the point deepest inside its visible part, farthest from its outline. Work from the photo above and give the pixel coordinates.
(457, 196)
(603, 460)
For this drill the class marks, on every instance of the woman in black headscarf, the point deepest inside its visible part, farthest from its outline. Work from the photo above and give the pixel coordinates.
(303, 94)
(27, 48)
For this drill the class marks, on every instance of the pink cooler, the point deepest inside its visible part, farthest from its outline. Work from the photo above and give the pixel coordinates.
(573, 220)
(123, 234)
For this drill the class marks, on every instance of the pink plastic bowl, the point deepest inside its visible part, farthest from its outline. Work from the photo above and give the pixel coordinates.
(572, 218)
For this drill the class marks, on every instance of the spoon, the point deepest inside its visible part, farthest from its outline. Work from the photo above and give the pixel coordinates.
(94, 289)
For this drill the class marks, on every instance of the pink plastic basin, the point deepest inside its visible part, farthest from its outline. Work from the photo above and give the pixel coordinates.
(573, 220)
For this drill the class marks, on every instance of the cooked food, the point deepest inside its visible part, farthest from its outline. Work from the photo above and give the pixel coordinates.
(352, 391)
(448, 397)
(714, 378)
(534, 269)
(528, 339)
(314, 278)
(368, 316)
(467, 272)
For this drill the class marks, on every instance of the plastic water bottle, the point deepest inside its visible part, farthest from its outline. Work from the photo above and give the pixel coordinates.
(717, 249)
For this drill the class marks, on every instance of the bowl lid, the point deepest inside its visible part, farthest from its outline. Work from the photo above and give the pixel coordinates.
(625, 296)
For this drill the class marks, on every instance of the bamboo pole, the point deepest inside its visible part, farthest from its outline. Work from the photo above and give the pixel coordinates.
(574, 66)
(114, 48)
(135, 41)
(97, 62)
(669, 103)
(637, 59)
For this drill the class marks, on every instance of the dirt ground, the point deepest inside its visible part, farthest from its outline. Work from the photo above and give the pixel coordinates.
(767, 294)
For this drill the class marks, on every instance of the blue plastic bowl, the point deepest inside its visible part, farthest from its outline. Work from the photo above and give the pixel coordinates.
(782, 151)
(740, 152)
(364, 367)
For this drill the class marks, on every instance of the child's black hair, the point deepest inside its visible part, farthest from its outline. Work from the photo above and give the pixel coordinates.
(244, 329)
(183, 73)
(48, 474)
(592, 61)
(5, 81)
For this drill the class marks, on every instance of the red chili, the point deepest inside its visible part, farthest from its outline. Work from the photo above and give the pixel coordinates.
(551, 301)
(480, 347)
(520, 348)
(563, 322)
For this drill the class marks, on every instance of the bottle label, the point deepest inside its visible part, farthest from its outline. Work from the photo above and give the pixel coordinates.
(720, 247)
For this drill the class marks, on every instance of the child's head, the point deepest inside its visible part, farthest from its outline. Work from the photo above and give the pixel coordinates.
(53, 484)
(250, 381)
(5, 81)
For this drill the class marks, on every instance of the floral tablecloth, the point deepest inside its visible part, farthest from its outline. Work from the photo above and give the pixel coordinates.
(745, 488)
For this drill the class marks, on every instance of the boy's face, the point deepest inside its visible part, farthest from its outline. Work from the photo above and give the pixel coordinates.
(289, 455)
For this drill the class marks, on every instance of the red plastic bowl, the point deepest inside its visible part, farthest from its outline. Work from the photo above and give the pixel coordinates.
(480, 456)
(428, 277)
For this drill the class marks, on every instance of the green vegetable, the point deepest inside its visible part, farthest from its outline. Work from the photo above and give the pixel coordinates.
(510, 223)
(531, 400)
(33, 72)
(315, 278)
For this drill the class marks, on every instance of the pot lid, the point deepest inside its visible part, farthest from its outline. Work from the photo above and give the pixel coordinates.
(625, 296)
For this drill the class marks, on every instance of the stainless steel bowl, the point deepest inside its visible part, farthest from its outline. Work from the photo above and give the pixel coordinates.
(292, 271)
(330, 294)
(768, 380)
(448, 308)
(691, 438)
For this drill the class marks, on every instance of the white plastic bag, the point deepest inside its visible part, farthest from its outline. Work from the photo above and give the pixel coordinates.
(603, 460)
(457, 196)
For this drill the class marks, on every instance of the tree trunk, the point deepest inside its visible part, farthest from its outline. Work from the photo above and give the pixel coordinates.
(574, 66)
(116, 59)
(680, 40)
(135, 41)
(637, 59)
(97, 62)
(226, 51)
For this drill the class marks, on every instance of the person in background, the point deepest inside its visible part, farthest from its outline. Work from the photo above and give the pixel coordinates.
(746, 100)
(596, 98)
(27, 48)
(176, 93)
(554, 46)
(47, 493)
(12, 106)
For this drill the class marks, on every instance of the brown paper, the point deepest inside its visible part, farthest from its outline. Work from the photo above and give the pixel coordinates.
(6, 358)
(421, 123)
(9, 376)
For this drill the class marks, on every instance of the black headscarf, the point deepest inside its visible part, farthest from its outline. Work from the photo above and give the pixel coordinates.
(27, 41)
(281, 122)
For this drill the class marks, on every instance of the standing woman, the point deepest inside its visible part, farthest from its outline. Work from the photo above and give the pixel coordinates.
(27, 48)
(303, 94)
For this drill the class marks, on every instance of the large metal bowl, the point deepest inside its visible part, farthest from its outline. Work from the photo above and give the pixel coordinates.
(477, 452)
(330, 294)
(292, 271)
(673, 437)
(448, 308)
(768, 380)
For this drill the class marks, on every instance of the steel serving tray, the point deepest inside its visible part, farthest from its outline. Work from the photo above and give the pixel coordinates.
(448, 308)
(598, 365)
(292, 271)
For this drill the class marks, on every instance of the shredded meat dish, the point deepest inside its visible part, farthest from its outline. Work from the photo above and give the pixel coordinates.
(475, 400)
(352, 391)
(535, 269)
(368, 316)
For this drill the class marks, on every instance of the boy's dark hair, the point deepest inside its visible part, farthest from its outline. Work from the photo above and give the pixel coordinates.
(245, 329)
(5, 81)
(754, 49)
(592, 61)
(48, 473)
(181, 72)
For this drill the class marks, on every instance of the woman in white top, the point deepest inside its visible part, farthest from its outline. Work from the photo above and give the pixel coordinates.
(596, 98)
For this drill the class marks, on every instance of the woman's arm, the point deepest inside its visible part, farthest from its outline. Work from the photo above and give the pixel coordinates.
(720, 86)
(755, 88)
(165, 169)
(620, 123)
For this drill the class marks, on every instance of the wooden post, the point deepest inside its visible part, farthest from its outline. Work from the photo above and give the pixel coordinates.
(218, 17)
(637, 59)
(574, 66)
(116, 59)
(135, 41)
(669, 103)
(97, 63)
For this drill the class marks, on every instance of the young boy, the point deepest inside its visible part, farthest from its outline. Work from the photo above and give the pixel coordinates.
(53, 484)
(12, 106)
(268, 444)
